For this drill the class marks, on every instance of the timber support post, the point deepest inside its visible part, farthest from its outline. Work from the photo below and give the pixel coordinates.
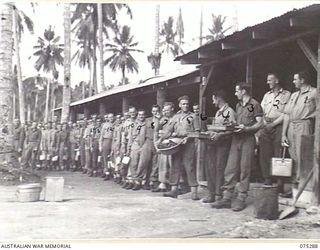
(161, 97)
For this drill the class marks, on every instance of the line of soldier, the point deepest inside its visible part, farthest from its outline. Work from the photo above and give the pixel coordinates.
(100, 149)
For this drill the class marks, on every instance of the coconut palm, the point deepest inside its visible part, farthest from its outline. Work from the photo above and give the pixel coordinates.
(167, 38)
(85, 18)
(121, 49)
(49, 56)
(180, 32)
(217, 30)
(67, 64)
(20, 21)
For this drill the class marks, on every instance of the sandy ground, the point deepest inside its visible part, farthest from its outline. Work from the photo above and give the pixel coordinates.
(96, 209)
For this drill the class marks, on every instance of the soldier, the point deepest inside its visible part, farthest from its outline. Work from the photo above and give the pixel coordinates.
(18, 137)
(127, 125)
(217, 153)
(95, 150)
(181, 124)
(74, 144)
(298, 121)
(273, 104)
(83, 125)
(116, 143)
(105, 143)
(87, 146)
(249, 115)
(44, 145)
(63, 147)
(153, 122)
(32, 141)
(139, 148)
(164, 161)
(52, 143)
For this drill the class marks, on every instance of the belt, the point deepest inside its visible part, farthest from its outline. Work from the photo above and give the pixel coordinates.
(299, 121)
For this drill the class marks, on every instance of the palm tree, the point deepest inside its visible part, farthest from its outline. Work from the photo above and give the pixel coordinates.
(180, 32)
(155, 58)
(217, 31)
(122, 48)
(20, 19)
(49, 56)
(67, 64)
(167, 36)
(86, 22)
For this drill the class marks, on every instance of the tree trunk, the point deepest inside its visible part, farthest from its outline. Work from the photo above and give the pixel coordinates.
(6, 88)
(156, 44)
(94, 77)
(29, 113)
(35, 113)
(53, 107)
(91, 79)
(46, 112)
(100, 44)
(83, 90)
(19, 77)
(123, 70)
(14, 105)
(67, 65)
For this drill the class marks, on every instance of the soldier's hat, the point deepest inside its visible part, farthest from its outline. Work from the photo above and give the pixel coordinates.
(185, 97)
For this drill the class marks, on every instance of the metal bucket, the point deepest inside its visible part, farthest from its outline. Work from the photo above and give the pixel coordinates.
(266, 204)
(28, 192)
(54, 189)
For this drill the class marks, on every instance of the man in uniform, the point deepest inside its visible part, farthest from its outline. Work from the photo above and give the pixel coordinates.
(164, 161)
(95, 139)
(87, 147)
(153, 122)
(18, 137)
(181, 124)
(32, 141)
(83, 125)
(63, 147)
(139, 148)
(74, 138)
(217, 152)
(105, 143)
(127, 126)
(116, 143)
(298, 120)
(273, 104)
(44, 145)
(249, 116)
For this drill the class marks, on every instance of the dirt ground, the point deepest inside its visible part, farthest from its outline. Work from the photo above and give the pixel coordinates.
(97, 209)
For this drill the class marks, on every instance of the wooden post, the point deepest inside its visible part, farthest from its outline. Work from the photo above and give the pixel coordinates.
(161, 97)
(125, 104)
(73, 115)
(249, 70)
(102, 109)
(316, 157)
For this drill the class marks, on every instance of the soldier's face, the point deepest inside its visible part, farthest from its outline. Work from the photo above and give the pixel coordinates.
(196, 109)
(141, 116)
(167, 111)
(297, 81)
(215, 101)
(239, 93)
(133, 113)
(111, 118)
(34, 125)
(272, 81)
(184, 105)
(155, 112)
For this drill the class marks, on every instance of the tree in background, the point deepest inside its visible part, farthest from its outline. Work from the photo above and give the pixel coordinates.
(49, 56)
(20, 21)
(180, 32)
(85, 19)
(121, 49)
(167, 38)
(217, 30)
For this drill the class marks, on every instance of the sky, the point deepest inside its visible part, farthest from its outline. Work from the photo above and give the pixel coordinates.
(142, 25)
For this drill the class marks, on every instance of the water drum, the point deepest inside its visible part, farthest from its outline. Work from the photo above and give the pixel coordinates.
(266, 204)
(28, 192)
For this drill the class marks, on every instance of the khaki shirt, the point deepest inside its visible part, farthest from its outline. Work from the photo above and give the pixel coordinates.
(63, 138)
(224, 115)
(273, 104)
(139, 134)
(246, 114)
(181, 124)
(107, 130)
(19, 135)
(75, 135)
(33, 136)
(302, 104)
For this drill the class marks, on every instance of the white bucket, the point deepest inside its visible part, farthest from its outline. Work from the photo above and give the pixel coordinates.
(28, 192)
(54, 189)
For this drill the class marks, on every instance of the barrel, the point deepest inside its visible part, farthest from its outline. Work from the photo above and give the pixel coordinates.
(28, 192)
(266, 204)
(54, 189)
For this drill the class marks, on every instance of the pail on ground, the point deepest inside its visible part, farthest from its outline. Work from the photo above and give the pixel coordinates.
(54, 189)
(266, 204)
(28, 192)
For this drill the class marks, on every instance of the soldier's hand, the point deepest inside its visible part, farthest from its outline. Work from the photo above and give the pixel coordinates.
(184, 140)
(241, 128)
(215, 136)
(174, 134)
(284, 141)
